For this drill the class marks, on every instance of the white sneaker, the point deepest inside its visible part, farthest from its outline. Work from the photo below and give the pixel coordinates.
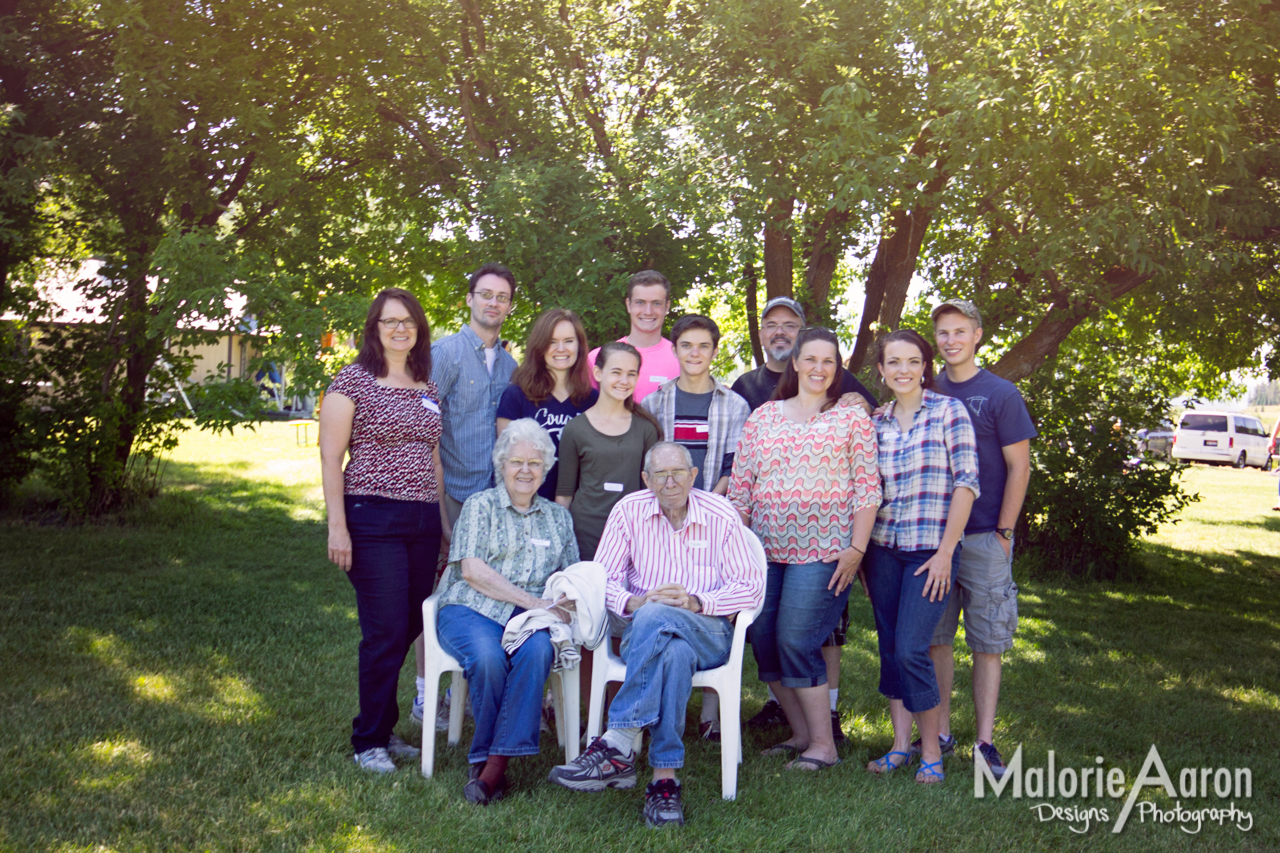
(375, 760)
(399, 749)
(415, 712)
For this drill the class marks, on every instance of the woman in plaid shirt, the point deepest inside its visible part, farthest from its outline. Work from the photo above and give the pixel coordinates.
(929, 470)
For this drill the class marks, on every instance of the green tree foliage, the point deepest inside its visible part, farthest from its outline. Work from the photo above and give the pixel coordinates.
(1092, 496)
(1053, 162)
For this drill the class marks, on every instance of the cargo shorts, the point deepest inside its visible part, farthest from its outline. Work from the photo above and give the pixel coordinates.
(985, 591)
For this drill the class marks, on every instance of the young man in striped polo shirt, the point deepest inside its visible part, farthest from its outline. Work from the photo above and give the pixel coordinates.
(699, 412)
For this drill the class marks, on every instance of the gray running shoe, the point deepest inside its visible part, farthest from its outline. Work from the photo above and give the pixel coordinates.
(599, 766)
(399, 749)
(946, 743)
(662, 805)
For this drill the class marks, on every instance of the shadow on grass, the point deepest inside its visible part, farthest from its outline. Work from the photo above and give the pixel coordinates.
(186, 681)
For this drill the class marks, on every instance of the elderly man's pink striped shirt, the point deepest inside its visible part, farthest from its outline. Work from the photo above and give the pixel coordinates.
(708, 556)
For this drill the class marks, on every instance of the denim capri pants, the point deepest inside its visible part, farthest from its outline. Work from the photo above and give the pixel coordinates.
(799, 614)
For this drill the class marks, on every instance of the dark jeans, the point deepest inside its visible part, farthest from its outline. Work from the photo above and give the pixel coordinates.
(798, 616)
(506, 690)
(394, 548)
(905, 620)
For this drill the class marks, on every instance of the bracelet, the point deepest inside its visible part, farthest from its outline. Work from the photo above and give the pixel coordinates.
(859, 550)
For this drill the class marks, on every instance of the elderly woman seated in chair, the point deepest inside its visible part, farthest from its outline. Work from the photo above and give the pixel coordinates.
(506, 543)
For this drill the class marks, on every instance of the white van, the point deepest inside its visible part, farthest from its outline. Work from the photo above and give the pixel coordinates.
(1205, 436)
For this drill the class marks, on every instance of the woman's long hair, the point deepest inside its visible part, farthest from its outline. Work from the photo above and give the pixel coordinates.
(916, 339)
(371, 356)
(602, 358)
(534, 377)
(789, 384)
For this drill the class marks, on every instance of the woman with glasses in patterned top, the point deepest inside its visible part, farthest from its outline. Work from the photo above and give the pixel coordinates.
(929, 464)
(385, 521)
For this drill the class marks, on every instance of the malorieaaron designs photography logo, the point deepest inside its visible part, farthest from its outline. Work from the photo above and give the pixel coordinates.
(1198, 796)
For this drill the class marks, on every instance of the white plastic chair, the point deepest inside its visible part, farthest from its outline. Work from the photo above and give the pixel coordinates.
(564, 695)
(725, 680)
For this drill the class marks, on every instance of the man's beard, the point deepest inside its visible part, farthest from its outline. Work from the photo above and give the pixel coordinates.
(778, 353)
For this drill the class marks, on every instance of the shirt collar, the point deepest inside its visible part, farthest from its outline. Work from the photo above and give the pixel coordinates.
(694, 512)
(504, 501)
(475, 341)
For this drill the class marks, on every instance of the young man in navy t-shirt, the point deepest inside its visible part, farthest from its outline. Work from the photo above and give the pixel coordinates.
(984, 587)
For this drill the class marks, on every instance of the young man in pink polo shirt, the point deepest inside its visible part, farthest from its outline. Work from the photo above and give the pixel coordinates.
(648, 298)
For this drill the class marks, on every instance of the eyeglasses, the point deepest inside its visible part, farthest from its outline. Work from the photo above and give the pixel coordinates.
(490, 296)
(659, 478)
(531, 464)
(789, 328)
(392, 323)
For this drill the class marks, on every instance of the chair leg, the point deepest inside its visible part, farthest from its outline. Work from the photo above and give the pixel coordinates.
(599, 678)
(730, 741)
(557, 703)
(457, 707)
(429, 722)
(569, 723)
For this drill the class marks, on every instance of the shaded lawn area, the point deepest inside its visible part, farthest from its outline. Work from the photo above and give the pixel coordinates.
(186, 682)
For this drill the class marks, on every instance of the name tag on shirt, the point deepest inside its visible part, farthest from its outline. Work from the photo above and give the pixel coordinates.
(541, 543)
(613, 487)
(698, 544)
(430, 405)
(658, 379)
(701, 428)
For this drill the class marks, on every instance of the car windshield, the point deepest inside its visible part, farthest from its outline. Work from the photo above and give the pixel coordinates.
(1208, 423)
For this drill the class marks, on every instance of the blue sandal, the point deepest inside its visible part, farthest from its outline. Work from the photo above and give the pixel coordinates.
(886, 765)
(930, 773)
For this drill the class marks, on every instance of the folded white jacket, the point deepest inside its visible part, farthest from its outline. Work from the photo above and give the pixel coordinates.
(583, 584)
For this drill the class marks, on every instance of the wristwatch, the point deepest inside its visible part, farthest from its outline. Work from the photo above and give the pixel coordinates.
(1006, 532)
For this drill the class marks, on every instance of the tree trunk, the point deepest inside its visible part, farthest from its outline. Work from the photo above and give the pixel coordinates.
(1063, 316)
(889, 277)
(822, 251)
(778, 257)
(753, 312)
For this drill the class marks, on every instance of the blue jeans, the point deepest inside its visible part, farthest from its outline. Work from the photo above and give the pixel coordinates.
(663, 647)
(799, 614)
(506, 692)
(394, 548)
(905, 620)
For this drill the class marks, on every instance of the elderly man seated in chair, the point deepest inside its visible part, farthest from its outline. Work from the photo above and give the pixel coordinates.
(678, 567)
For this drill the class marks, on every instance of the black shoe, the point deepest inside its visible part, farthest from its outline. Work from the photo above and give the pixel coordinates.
(599, 766)
(947, 744)
(992, 755)
(473, 770)
(837, 734)
(479, 793)
(770, 716)
(662, 804)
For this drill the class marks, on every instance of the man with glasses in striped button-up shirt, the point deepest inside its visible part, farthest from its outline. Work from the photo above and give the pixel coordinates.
(677, 566)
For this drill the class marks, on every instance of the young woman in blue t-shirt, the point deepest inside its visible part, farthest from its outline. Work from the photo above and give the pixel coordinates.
(552, 385)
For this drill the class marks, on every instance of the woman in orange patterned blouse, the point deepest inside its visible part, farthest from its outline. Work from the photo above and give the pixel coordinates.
(805, 480)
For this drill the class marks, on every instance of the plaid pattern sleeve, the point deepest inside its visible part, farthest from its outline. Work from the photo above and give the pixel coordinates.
(920, 469)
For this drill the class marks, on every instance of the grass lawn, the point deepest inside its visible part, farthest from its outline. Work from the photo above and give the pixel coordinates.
(186, 682)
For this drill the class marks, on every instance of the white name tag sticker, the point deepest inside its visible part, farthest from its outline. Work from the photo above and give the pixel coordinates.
(658, 379)
(613, 487)
(541, 543)
(430, 405)
(700, 427)
(698, 544)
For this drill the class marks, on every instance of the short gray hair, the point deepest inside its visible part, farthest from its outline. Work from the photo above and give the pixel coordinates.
(525, 429)
(663, 445)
